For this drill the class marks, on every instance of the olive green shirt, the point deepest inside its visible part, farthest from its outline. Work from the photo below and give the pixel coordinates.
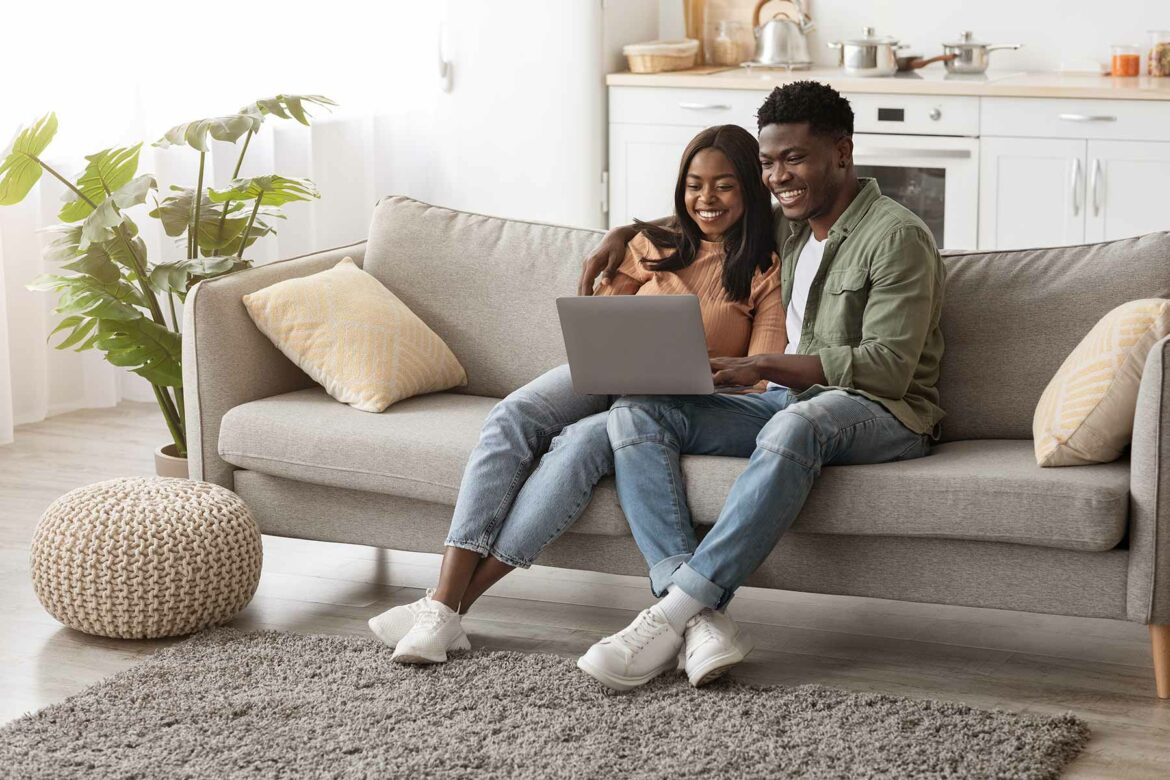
(873, 309)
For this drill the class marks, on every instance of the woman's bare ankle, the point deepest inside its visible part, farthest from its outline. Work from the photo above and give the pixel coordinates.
(446, 600)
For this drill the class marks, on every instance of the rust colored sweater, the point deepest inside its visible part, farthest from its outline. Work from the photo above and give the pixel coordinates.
(733, 328)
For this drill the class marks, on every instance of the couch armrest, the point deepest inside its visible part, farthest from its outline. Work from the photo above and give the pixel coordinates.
(227, 361)
(1149, 493)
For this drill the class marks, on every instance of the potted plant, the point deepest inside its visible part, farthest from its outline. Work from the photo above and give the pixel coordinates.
(113, 298)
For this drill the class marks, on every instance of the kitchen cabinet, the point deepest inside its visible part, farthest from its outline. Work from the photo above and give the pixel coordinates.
(1126, 189)
(1037, 192)
(1031, 192)
(1065, 171)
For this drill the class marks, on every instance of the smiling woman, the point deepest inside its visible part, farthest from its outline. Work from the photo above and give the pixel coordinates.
(719, 197)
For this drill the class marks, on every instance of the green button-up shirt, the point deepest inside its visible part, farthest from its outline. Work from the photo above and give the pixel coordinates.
(873, 309)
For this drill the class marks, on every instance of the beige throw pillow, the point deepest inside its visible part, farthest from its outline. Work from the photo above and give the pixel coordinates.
(1086, 413)
(354, 337)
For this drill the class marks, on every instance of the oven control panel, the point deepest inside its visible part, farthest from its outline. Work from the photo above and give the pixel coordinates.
(915, 114)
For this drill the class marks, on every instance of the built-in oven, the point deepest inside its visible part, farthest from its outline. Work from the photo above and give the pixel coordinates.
(924, 152)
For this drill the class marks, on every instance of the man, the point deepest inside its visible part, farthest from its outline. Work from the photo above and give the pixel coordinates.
(862, 283)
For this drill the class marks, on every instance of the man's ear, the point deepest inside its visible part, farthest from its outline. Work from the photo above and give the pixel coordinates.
(845, 151)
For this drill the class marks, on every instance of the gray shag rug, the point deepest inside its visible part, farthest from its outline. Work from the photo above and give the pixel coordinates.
(273, 704)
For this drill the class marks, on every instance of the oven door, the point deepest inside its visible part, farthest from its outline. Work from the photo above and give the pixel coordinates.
(936, 177)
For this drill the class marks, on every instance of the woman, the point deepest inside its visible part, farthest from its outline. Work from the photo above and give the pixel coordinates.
(719, 247)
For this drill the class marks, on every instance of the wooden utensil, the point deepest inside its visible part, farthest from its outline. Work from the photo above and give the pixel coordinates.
(914, 62)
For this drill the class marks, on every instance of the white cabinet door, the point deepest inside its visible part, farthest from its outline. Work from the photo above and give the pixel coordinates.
(1126, 193)
(644, 160)
(1031, 192)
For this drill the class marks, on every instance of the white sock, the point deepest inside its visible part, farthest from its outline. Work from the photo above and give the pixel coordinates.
(678, 608)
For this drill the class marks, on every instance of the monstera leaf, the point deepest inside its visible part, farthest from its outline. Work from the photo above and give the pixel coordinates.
(84, 295)
(178, 275)
(21, 168)
(145, 347)
(107, 171)
(221, 128)
(101, 259)
(175, 213)
(269, 190)
(286, 106)
(102, 223)
(81, 327)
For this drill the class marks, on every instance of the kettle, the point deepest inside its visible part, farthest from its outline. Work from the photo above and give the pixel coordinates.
(781, 42)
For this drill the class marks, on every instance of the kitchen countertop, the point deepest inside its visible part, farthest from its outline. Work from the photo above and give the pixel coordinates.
(931, 80)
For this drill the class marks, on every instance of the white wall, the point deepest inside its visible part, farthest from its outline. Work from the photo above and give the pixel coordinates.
(1057, 34)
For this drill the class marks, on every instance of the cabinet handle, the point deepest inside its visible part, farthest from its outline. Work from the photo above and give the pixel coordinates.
(880, 151)
(1076, 186)
(1088, 118)
(705, 106)
(1095, 186)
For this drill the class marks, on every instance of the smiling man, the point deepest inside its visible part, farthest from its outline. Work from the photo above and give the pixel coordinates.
(862, 282)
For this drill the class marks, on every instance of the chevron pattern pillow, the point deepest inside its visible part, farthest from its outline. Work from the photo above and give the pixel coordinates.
(1085, 415)
(354, 337)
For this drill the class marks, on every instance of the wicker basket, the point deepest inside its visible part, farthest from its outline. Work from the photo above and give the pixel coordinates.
(661, 56)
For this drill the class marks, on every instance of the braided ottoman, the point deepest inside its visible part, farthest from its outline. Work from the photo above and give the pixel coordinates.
(146, 557)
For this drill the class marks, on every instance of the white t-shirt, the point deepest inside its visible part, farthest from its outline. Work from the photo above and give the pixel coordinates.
(807, 265)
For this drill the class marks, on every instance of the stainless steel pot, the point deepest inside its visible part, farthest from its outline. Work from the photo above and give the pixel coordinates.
(868, 56)
(971, 56)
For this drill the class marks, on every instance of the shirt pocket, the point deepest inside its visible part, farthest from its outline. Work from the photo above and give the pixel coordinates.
(842, 306)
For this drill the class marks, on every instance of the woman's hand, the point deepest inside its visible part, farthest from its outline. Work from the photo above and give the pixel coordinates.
(736, 370)
(605, 259)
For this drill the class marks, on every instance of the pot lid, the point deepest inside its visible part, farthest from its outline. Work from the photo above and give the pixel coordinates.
(966, 41)
(870, 39)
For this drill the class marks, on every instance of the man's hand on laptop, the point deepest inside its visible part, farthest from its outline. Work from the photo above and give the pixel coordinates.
(742, 372)
(798, 372)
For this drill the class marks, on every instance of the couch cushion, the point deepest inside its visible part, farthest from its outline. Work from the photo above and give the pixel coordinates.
(984, 490)
(1011, 318)
(487, 286)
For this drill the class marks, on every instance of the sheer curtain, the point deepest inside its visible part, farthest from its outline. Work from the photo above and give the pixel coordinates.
(117, 74)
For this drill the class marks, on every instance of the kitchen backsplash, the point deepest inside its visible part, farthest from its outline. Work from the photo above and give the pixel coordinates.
(1057, 34)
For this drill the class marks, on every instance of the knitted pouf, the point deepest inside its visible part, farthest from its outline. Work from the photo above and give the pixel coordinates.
(146, 557)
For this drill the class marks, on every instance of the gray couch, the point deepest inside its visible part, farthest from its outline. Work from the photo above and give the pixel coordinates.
(976, 523)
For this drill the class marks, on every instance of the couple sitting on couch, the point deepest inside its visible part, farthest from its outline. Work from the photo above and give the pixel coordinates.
(840, 337)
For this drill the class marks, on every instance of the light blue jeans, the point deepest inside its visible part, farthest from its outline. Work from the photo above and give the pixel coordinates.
(788, 441)
(507, 508)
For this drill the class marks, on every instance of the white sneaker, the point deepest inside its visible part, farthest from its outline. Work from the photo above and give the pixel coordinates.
(714, 645)
(635, 655)
(392, 625)
(436, 630)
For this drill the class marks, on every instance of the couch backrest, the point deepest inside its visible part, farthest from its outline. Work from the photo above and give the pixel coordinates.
(487, 286)
(1011, 318)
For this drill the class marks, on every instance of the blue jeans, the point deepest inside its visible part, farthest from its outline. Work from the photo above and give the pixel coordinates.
(507, 508)
(788, 442)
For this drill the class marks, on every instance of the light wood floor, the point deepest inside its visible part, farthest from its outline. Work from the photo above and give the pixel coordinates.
(1098, 669)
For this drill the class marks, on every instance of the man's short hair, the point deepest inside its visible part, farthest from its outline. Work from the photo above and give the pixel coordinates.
(826, 112)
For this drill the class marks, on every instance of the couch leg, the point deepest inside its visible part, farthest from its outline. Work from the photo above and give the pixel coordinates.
(1160, 643)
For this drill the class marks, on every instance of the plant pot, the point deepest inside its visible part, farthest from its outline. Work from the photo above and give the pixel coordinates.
(168, 463)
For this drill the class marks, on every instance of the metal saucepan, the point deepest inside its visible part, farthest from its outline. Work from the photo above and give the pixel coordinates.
(868, 56)
(914, 62)
(970, 56)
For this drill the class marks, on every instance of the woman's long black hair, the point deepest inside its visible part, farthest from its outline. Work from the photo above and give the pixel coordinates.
(748, 245)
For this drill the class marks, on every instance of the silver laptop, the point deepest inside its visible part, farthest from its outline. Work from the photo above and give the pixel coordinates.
(636, 345)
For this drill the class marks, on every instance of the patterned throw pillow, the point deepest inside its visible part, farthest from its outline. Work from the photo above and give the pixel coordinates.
(1086, 413)
(354, 337)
